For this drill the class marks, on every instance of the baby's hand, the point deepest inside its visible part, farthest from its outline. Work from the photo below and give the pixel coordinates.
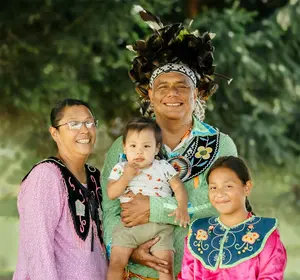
(181, 215)
(131, 170)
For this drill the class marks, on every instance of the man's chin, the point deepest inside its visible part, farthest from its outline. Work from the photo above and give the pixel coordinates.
(174, 116)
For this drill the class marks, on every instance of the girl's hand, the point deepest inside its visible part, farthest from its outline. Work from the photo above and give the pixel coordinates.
(181, 215)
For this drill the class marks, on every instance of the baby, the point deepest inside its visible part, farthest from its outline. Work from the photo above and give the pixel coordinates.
(142, 173)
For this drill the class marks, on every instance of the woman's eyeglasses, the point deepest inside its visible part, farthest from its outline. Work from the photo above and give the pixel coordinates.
(76, 125)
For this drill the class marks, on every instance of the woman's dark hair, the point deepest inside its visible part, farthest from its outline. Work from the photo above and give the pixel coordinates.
(142, 123)
(239, 167)
(57, 112)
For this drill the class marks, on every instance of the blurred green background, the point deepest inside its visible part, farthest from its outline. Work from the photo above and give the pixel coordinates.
(53, 49)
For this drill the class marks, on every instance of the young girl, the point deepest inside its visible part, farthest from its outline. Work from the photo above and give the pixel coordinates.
(142, 173)
(237, 244)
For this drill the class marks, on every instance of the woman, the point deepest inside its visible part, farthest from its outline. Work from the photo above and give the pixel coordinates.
(173, 72)
(60, 204)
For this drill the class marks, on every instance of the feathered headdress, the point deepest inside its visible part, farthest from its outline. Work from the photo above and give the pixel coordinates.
(172, 44)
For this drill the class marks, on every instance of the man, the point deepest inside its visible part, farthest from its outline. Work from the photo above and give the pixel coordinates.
(173, 72)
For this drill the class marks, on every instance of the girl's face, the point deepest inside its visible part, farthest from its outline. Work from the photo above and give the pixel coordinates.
(140, 147)
(227, 193)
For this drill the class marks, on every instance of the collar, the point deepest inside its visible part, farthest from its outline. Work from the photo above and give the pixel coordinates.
(198, 129)
(217, 246)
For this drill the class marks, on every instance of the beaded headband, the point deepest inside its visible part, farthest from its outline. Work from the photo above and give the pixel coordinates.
(172, 67)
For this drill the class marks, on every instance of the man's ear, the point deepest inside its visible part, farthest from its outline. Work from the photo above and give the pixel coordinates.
(248, 187)
(54, 133)
(195, 93)
(150, 93)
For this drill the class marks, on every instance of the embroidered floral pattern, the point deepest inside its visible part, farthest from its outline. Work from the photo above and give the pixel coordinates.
(250, 237)
(203, 152)
(201, 235)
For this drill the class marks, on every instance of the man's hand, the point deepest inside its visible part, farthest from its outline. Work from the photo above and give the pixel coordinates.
(136, 211)
(143, 256)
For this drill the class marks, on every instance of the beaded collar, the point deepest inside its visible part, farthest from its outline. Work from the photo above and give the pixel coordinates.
(84, 203)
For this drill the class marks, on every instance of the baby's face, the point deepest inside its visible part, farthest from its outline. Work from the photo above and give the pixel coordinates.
(140, 147)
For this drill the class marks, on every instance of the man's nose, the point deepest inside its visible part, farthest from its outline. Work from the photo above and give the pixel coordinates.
(173, 91)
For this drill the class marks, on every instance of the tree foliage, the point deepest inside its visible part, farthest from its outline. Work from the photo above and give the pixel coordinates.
(55, 49)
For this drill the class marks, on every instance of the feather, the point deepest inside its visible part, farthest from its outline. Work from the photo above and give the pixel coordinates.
(130, 47)
(152, 20)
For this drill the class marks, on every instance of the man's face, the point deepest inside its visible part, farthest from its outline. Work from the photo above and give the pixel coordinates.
(173, 96)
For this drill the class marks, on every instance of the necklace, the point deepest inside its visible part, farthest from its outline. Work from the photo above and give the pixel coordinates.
(186, 134)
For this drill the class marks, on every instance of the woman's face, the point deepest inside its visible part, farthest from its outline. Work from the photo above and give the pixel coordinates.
(75, 142)
(173, 96)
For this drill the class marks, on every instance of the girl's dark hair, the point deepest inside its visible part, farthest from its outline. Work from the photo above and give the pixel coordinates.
(142, 123)
(239, 167)
(57, 112)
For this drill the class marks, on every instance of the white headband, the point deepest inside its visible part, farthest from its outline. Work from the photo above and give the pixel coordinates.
(172, 67)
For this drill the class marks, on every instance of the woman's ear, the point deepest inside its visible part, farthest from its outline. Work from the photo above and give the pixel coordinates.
(54, 133)
(248, 187)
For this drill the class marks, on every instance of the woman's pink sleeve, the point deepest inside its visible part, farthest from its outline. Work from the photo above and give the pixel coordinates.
(272, 260)
(40, 206)
(187, 267)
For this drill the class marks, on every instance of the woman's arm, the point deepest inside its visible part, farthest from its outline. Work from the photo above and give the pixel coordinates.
(40, 204)
(272, 260)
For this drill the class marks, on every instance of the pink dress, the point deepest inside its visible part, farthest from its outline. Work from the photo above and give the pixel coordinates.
(265, 263)
(49, 248)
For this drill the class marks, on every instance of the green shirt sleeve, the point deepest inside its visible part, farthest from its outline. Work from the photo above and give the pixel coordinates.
(227, 146)
(111, 208)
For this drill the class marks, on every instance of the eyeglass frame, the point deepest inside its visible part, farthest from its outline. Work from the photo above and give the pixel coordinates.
(82, 123)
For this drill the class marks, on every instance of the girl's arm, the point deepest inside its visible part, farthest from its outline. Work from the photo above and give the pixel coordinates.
(272, 260)
(187, 266)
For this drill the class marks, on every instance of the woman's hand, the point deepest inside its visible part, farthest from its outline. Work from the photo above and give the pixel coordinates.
(136, 211)
(143, 256)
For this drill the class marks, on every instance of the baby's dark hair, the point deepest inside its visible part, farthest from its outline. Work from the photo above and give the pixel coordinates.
(238, 166)
(57, 112)
(142, 123)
